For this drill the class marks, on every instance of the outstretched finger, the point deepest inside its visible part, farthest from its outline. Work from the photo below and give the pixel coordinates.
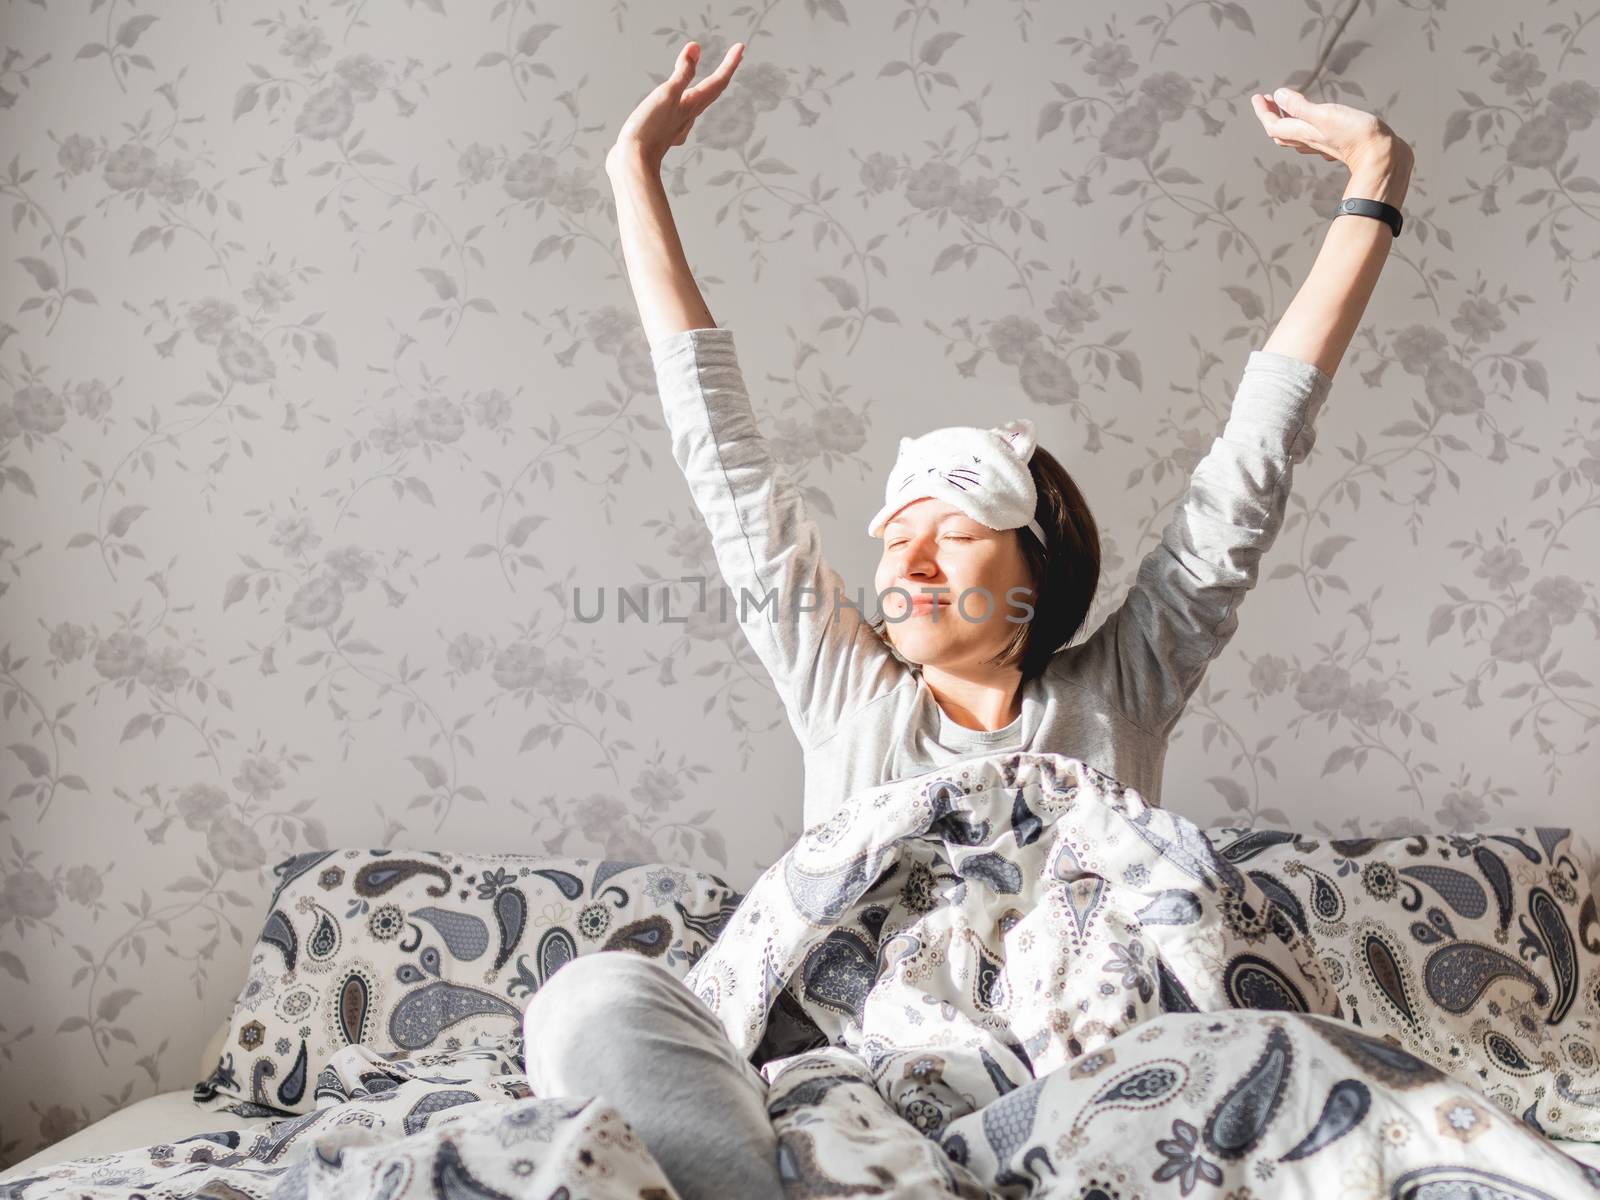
(1293, 104)
(712, 86)
(1292, 128)
(1278, 126)
(683, 69)
(1267, 113)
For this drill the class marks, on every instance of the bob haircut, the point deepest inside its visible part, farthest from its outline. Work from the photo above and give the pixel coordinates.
(1064, 578)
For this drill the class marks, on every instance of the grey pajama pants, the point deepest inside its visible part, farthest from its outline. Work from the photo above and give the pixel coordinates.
(622, 1026)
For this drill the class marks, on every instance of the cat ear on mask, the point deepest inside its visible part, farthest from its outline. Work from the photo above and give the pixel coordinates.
(1019, 434)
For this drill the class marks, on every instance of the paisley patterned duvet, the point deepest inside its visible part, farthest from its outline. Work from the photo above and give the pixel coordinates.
(1009, 978)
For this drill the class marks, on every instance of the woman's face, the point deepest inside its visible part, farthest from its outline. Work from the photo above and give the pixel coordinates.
(934, 551)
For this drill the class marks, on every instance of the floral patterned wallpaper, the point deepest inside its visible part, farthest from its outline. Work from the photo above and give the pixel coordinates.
(324, 399)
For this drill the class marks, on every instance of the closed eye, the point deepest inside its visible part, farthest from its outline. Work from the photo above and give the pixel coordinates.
(949, 537)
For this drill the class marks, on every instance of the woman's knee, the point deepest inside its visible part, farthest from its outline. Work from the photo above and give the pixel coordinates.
(579, 1020)
(610, 981)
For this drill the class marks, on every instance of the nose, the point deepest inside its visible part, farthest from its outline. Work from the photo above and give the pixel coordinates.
(919, 559)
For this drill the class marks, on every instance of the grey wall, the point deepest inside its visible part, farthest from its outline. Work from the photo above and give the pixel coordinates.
(322, 385)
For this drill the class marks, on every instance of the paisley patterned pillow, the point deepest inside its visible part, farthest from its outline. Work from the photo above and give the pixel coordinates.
(1480, 955)
(410, 950)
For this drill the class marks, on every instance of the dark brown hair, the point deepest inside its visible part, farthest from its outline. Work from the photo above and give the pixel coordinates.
(1064, 577)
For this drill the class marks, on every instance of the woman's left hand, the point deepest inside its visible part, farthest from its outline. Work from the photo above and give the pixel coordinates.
(1336, 131)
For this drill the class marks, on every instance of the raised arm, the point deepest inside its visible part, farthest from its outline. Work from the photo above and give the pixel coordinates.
(1151, 652)
(822, 656)
(663, 286)
(1322, 318)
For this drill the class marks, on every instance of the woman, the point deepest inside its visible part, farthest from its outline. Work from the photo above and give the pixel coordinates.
(968, 512)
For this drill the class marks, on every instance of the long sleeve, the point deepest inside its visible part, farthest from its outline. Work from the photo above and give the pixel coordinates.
(1149, 655)
(826, 662)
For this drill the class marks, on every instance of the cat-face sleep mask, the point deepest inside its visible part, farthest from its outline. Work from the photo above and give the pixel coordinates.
(983, 472)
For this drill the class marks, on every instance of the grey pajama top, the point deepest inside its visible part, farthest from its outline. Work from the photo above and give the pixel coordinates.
(864, 716)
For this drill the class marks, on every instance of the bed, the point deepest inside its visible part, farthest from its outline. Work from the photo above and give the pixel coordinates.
(169, 1116)
(165, 1116)
(320, 1028)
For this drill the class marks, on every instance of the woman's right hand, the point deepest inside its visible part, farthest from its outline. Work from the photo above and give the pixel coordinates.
(663, 118)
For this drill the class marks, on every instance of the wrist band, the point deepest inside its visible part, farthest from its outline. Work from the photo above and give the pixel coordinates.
(1387, 213)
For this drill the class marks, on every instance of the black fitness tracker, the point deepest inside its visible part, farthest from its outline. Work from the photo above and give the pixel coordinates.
(1387, 213)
